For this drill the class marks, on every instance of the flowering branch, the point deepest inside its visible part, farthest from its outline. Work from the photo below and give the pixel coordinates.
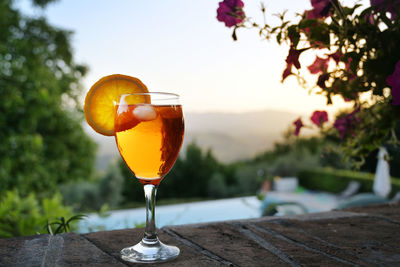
(356, 54)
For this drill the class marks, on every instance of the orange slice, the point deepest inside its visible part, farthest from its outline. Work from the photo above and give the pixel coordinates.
(104, 94)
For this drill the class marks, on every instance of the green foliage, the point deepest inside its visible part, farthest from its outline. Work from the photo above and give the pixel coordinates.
(62, 225)
(288, 158)
(42, 142)
(139, 225)
(104, 211)
(248, 180)
(43, 3)
(81, 195)
(110, 187)
(132, 189)
(295, 153)
(105, 191)
(20, 216)
(194, 174)
(217, 187)
(333, 180)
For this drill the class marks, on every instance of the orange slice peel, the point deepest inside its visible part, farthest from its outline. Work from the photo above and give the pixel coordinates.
(102, 97)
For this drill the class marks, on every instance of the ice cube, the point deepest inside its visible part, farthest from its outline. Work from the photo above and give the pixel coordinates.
(145, 113)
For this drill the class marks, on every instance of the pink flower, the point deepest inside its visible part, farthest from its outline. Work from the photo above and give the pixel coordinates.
(319, 117)
(322, 8)
(299, 124)
(391, 6)
(347, 123)
(310, 14)
(319, 65)
(394, 81)
(231, 12)
(287, 72)
(292, 59)
(341, 125)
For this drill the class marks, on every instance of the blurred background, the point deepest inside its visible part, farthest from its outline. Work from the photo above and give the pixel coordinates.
(239, 138)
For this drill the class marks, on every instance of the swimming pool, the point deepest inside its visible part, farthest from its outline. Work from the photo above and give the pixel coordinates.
(195, 212)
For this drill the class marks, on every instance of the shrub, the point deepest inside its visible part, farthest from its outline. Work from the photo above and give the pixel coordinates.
(217, 187)
(20, 216)
(332, 180)
(82, 195)
(110, 187)
(248, 182)
(93, 195)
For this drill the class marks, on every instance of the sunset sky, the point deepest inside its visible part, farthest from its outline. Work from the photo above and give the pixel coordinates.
(179, 46)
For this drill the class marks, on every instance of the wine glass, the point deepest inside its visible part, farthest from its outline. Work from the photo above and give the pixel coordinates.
(149, 129)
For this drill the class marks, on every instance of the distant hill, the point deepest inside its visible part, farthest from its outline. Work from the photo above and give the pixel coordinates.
(234, 136)
(231, 136)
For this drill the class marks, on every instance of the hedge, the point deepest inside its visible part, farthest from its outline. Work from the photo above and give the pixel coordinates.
(335, 181)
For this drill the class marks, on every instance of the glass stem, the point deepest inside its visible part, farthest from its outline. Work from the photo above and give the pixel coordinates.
(150, 234)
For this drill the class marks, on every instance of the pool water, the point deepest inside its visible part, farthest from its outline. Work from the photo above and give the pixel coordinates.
(195, 212)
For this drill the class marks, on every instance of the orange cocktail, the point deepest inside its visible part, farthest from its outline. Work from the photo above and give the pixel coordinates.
(148, 128)
(149, 138)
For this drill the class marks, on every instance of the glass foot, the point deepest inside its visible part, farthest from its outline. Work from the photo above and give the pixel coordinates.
(148, 252)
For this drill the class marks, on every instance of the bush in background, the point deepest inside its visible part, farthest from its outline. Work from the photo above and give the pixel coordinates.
(334, 181)
(94, 194)
(287, 158)
(20, 216)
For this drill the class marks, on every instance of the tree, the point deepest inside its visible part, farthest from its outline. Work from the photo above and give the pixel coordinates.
(42, 142)
(190, 175)
(132, 189)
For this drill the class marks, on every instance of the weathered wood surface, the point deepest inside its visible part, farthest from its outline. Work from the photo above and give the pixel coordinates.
(367, 236)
